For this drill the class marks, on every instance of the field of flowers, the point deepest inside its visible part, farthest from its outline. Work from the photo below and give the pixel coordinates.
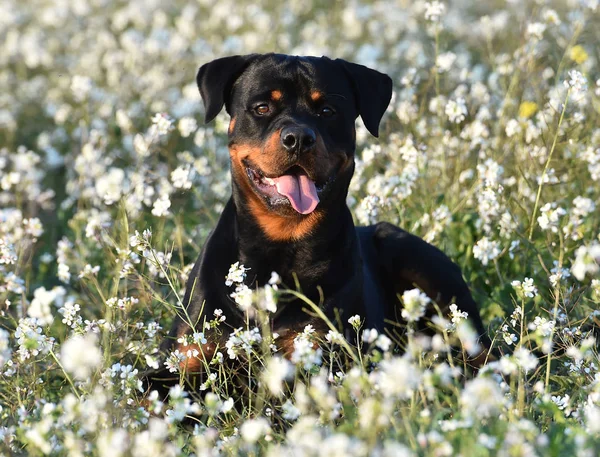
(110, 183)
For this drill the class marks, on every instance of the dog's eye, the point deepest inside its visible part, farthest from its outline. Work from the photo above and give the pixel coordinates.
(326, 111)
(262, 109)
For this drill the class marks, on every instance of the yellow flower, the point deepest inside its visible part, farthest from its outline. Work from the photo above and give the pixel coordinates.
(578, 54)
(527, 109)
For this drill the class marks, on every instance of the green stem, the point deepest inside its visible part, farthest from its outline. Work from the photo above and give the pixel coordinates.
(541, 184)
(65, 373)
(555, 313)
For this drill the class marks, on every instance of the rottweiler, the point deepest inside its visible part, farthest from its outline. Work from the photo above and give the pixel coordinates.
(292, 143)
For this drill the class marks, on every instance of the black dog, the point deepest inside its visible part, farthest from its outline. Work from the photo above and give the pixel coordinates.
(292, 143)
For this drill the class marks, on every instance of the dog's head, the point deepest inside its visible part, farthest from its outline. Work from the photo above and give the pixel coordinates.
(292, 135)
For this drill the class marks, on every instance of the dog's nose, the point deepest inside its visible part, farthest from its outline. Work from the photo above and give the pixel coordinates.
(297, 140)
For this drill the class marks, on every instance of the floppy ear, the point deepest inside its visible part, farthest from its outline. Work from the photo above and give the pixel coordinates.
(373, 91)
(215, 80)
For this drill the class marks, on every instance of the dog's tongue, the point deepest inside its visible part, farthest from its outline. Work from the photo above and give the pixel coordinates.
(300, 190)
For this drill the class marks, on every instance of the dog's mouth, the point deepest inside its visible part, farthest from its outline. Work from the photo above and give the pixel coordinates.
(294, 187)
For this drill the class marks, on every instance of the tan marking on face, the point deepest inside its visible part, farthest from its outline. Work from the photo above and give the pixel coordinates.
(315, 95)
(265, 157)
(274, 226)
(280, 228)
(231, 125)
(240, 152)
(276, 95)
(273, 146)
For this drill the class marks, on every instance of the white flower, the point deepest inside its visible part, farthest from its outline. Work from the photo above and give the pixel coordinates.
(305, 352)
(486, 250)
(468, 338)
(161, 206)
(161, 124)
(275, 279)
(187, 126)
(558, 274)
(89, 271)
(490, 173)
(456, 110)
(5, 351)
(141, 145)
(509, 338)
(242, 340)
(583, 206)
(236, 274)
(181, 177)
(174, 361)
(109, 186)
(512, 128)
(289, 411)
(542, 325)
(383, 343)
(456, 316)
(445, 61)
(80, 355)
(81, 87)
(369, 335)
(414, 304)
(180, 407)
(123, 120)
(276, 372)
(268, 298)
(550, 215)
(482, 398)
(434, 10)
(587, 261)
(242, 297)
(31, 339)
(33, 227)
(112, 443)
(254, 429)
(592, 418)
(596, 289)
(536, 30)
(525, 288)
(577, 83)
(396, 377)
(525, 359)
(39, 307)
(8, 255)
(355, 321)
(551, 17)
(334, 337)
(70, 312)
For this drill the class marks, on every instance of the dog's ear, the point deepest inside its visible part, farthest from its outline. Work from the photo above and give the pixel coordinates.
(373, 92)
(215, 80)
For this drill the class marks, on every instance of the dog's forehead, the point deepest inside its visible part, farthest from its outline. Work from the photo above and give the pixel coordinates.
(297, 75)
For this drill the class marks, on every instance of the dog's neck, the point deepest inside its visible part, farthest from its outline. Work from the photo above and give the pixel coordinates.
(331, 237)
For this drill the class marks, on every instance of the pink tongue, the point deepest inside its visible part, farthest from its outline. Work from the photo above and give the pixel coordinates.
(300, 190)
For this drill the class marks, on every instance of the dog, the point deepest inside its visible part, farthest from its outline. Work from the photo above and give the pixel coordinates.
(292, 144)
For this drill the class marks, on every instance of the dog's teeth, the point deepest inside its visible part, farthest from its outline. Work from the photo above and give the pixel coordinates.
(269, 181)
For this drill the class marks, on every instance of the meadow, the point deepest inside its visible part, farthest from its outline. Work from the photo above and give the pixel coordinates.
(110, 183)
